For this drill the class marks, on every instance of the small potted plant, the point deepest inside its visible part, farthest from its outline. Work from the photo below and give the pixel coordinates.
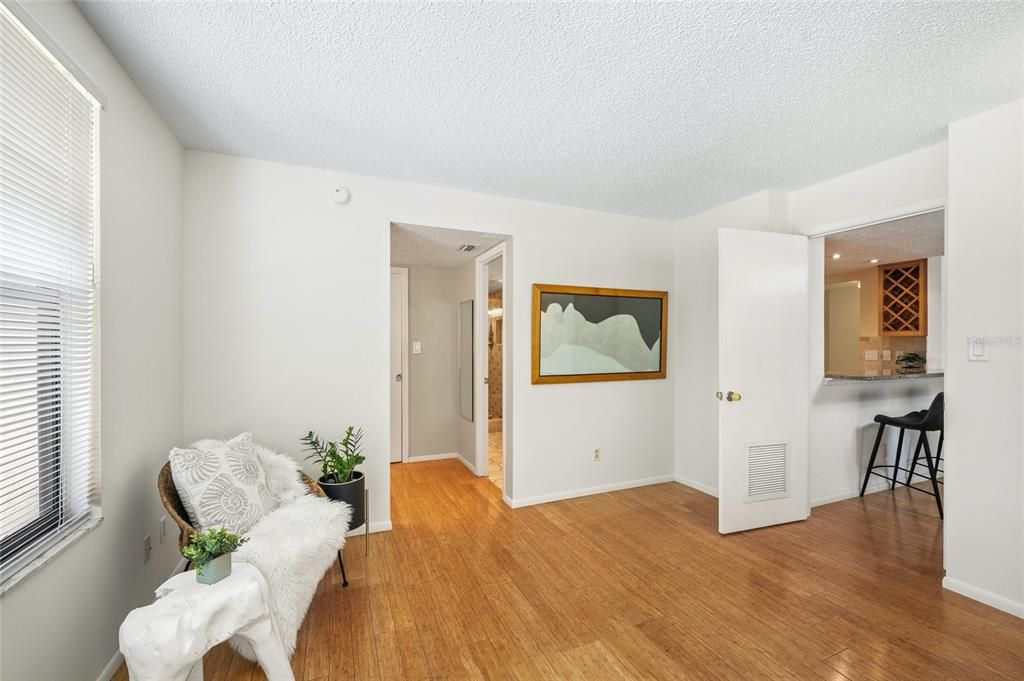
(339, 479)
(909, 363)
(210, 552)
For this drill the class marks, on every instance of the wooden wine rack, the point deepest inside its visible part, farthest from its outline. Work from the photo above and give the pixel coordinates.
(903, 298)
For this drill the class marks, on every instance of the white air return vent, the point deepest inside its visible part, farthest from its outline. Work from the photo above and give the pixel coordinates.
(767, 471)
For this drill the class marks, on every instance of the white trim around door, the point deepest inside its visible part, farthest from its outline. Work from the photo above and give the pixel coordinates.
(480, 332)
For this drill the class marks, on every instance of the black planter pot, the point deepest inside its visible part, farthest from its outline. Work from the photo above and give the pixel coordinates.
(352, 493)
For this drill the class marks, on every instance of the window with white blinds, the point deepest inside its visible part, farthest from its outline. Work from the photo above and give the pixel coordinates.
(49, 350)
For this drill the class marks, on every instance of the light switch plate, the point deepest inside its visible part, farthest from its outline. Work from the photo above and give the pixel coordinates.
(977, 349)
(417, 348)
(886, 355)
(871, 355)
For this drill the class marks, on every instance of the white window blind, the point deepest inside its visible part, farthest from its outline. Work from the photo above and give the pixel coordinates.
(49, 350)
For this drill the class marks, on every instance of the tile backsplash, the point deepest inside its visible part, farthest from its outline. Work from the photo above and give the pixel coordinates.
(883, 351)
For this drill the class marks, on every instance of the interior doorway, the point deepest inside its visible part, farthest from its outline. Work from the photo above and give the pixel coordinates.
(492, 331)
(449, 337)
(494, 379)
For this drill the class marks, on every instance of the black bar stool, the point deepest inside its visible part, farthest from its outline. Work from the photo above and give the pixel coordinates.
(924, 421)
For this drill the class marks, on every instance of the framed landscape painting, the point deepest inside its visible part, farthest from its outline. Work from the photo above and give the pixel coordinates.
(583, 334)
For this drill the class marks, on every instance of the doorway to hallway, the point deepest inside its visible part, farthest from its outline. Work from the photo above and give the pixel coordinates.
(494, 379)
(449, 349)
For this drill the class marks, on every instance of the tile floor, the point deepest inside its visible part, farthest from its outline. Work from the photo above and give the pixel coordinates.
(495, 468)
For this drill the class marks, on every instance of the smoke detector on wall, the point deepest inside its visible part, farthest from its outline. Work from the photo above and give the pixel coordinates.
(340, 195)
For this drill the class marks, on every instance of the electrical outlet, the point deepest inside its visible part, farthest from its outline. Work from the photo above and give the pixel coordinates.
(163, 528)
(147, 548)
(597, 455)
(886, 355)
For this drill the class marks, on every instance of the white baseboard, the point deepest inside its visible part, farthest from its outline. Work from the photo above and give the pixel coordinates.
(587, 491)
(111, 668)
(471, 467)
(986, 597)
(699, 486)
(383, 526)
(873, 486)
(876, 485)
(432, 457)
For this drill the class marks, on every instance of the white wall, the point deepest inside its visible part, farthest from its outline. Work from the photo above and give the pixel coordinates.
(898, 186)
(841, 418)
(985, 291)
(61, 622)
(695, 330)
(286, 324)
(433, 374)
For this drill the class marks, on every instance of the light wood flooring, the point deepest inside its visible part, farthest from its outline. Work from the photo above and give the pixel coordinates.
(639, 585)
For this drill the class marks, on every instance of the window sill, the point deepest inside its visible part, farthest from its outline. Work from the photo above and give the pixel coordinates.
(57, 546)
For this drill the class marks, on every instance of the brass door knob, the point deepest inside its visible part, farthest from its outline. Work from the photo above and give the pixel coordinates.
(733, 397)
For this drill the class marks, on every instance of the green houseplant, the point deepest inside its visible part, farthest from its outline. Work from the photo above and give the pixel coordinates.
(909, 363)
(339, 478)
(210, 552)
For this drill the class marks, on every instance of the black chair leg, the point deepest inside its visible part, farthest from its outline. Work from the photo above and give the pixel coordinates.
(932, 474)
(341, 564)
(917, 455)
(871, 461)
(899, 453)
(938, 452)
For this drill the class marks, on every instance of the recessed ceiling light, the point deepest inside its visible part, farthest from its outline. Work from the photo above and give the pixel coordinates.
(874, 261)
(836, 256)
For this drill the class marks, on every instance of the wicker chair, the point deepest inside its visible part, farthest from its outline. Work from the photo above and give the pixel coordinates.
(176, 509)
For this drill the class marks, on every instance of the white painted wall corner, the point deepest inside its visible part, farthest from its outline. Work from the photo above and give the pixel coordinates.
(699, 486)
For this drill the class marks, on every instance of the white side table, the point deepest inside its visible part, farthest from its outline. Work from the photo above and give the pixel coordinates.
(165, 641)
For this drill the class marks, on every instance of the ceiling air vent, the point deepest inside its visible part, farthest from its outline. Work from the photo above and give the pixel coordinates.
(466, 248)
(767, 471)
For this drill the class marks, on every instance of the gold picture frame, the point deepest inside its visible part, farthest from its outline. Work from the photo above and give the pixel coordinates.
(646, 308)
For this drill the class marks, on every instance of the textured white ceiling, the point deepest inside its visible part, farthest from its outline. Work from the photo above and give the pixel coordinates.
(920, 236)
(423, 246)
(655, 109)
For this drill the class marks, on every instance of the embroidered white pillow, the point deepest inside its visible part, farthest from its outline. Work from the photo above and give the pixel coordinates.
(281, 470)
(222, 486)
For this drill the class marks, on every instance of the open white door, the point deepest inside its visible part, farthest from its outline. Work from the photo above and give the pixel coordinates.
(763, 367)
(399, 362)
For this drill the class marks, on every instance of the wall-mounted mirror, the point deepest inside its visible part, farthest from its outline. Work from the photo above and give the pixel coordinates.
(466, 359)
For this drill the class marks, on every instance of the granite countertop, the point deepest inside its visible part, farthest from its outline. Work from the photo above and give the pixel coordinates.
(890, 377)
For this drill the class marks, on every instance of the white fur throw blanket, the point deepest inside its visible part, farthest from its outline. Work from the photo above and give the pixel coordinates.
(292, 546)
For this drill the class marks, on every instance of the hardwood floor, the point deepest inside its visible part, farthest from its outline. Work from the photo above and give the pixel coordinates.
(639, 585)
